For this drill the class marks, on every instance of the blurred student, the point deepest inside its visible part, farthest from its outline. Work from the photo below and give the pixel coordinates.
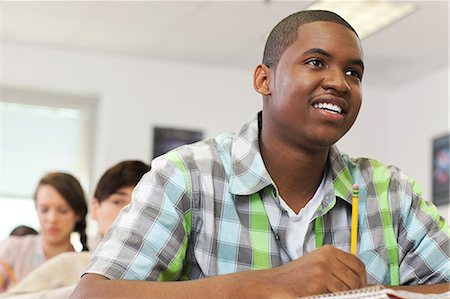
(61, 209)
(23, 230)
(57, 278)
(114, 190)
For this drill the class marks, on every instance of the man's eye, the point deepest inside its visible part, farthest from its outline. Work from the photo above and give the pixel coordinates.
(314, 62)
(353, 73)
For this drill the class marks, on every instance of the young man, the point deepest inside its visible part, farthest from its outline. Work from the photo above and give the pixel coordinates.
(57, 277)
(276, 197)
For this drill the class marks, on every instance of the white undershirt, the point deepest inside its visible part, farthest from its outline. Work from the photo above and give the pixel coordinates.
(298, 223)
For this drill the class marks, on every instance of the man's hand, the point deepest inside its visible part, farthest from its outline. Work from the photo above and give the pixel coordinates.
(324, 270)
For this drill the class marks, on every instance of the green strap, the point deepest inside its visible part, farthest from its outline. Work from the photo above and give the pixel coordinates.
(259, 232)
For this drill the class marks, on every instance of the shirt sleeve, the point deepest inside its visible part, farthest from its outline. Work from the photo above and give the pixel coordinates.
(149, 238)
(423, 241)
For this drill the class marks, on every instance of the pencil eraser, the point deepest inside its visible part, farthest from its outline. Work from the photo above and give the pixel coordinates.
(355, 186)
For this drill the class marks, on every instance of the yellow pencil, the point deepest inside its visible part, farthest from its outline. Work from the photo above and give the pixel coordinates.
(354, 219)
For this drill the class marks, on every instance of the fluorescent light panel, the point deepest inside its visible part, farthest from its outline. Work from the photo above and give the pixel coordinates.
(366, 16)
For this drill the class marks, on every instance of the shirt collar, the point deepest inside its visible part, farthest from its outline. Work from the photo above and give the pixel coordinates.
(341, 174)
(249, 174)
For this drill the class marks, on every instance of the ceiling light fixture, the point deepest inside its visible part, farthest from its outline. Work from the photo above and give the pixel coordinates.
(367, 16)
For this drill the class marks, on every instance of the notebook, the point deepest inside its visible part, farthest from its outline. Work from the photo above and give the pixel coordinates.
(379, 292)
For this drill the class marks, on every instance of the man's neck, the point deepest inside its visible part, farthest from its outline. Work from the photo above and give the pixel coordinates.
(296, 172)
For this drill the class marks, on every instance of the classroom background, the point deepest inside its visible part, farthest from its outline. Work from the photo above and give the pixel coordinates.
(84, 84)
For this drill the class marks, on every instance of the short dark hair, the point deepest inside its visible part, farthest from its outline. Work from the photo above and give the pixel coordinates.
(284, 33)
(123, 174)
(72, 192)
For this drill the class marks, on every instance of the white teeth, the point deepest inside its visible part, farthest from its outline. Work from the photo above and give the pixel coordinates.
(328, 107)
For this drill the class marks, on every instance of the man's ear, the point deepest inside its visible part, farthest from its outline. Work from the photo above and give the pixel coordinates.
(261, 79)
(94, 208)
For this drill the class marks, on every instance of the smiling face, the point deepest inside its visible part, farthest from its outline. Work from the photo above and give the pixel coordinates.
(56, 218)
(106, 211)
(313, 96)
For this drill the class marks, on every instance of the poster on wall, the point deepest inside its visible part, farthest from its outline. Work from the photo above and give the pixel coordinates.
(441, 170)
(166, 139)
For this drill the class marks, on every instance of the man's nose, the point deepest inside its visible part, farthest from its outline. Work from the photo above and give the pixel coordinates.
(336, 80)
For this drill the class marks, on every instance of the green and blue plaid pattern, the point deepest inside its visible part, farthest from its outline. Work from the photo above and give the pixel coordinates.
(211, 208)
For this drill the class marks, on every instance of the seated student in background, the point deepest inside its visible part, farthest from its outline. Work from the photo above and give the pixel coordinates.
(57, 278)
(114, 190)
(61, 209)
(277, 196)
(23, 230)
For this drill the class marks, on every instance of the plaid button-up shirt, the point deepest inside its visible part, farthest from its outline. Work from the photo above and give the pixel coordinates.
(211, 208)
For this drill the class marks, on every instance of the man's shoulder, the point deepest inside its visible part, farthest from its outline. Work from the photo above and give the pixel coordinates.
(220, 148)
(199, 153)
(369, 171)
(365, 170)
(370, 165)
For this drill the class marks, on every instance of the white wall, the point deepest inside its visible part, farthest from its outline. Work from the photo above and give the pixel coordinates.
(136, 93)
(363, 138)
(419, 112)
